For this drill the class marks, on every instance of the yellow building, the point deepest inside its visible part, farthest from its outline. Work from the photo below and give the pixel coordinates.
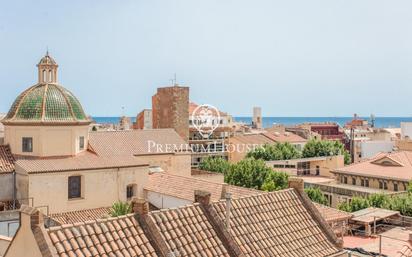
(315, 166)
(385, 171)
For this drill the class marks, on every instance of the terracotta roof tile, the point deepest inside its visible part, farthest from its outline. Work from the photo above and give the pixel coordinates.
(81, 216)
(251, 139)
(332, 214)
(401, 168)
(275, 224)
(187, 232)
(285, 137)
(6, 159)
(84, 161)
(133, 142)
(95, 239)
(184, 187)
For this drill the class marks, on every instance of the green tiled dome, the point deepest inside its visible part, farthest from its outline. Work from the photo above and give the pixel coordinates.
(46, 103)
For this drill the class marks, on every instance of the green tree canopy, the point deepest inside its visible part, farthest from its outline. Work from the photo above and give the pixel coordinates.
(272, 152)
(249, 173)
(401, 203)
(215, 164)
(410, 187)
(274, 181)
(316, 195)
(317, 148)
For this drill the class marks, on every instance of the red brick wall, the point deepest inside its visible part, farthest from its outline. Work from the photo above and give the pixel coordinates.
(170, 106)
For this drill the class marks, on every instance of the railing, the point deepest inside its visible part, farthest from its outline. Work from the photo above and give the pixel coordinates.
(405, 252)
(15, 204)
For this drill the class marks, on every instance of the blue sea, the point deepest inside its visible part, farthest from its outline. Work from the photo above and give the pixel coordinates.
(380, 122)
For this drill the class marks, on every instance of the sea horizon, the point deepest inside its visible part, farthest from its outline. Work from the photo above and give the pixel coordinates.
(380, 122)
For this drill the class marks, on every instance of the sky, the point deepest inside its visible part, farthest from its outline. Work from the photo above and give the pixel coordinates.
(292, 58)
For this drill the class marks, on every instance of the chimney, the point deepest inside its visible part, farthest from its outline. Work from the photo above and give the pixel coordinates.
(36, 219)
(228, 198)
(297, 184)
(202, 197)
(140, 206)
(225, 190)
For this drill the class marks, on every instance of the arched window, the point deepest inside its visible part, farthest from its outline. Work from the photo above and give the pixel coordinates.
(44, 76)
(50, 76)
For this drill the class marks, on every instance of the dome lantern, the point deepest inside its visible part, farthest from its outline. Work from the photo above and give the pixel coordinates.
(47, 69)
(47, 102)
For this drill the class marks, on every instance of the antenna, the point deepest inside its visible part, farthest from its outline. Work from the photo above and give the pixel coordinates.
(122, 110)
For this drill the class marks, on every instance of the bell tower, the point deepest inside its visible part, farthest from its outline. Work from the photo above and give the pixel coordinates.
(47, 69)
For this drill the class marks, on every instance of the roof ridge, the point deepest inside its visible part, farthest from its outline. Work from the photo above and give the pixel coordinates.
(181, 176)
(89, 222)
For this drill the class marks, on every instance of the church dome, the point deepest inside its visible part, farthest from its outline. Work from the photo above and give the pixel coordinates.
(46, 102)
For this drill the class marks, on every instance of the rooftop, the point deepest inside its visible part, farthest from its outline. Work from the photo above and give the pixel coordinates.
(394, 241)
(282, 223)
(135, 142)
(251, 139)
(122, 236)
(82, 161)
(6, 159)
(285, 137)
(293, 230)
(332, 214)
(188, 232)
(81, 216)
(395, 165)
(369, 215)
(184, 187)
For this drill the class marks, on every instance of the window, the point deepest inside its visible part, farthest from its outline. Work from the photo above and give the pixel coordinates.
(385, 185)
(362, 182)
(366, 183)
(380, 185)
(131, 191)
(317, 170)
(81, 143)
(345, 180)
(395, 187)
(353, 181)
(27, 146)
(75, 187)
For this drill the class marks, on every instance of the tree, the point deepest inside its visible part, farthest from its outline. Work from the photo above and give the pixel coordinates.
(275, 180)
(215, 164)
(316, 195)
(378, 200)
(249, 173)
(401, 203)
(356, 204)
(120, 208)
(317, 148)
(410, 187)
(272, 152)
